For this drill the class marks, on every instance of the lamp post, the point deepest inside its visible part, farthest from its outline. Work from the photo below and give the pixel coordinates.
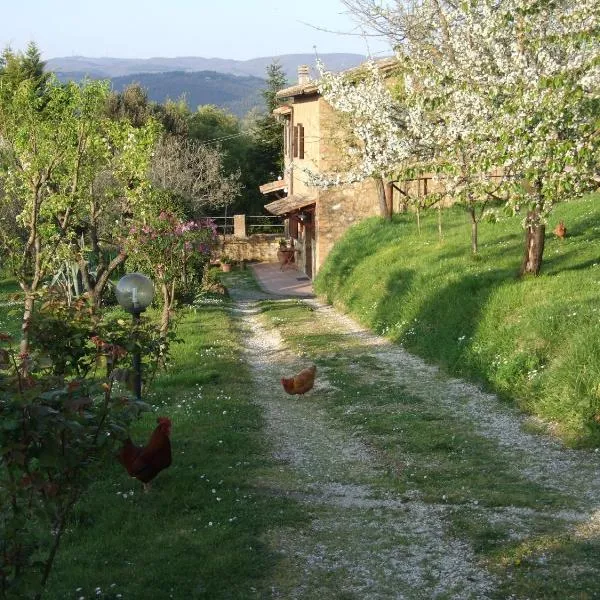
(134, 293)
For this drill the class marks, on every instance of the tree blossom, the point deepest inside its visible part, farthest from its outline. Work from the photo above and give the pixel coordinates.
(511, 84)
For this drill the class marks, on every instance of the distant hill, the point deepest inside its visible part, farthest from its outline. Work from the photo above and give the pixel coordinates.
(256, 67)
(235, 94)
(234, 85)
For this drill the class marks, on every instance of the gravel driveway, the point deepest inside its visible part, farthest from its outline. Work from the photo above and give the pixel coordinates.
(365, 540)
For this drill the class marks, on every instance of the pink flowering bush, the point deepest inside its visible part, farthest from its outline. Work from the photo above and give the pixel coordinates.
(174, 253)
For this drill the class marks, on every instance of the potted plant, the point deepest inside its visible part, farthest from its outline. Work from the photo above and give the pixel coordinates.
(225, 262)
(285, 253)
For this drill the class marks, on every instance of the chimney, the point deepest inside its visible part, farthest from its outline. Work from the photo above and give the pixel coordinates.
(303, 76)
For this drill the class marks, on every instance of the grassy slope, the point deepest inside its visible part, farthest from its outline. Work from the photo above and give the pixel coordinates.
(535, 341)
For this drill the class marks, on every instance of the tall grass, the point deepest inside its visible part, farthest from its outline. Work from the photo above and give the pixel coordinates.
(535, 341)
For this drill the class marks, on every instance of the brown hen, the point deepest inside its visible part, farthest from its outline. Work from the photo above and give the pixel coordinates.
(300, 383)
(560, 230)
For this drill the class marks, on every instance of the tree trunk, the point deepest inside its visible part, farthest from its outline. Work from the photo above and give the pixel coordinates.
(168, 294)
(95, 289)
(534, 245)
(27, 312)
(389, 199)
(382, 193)
(474, 232)
(439, 215)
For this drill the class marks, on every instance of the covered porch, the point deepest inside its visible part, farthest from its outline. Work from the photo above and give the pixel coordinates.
(299, 214)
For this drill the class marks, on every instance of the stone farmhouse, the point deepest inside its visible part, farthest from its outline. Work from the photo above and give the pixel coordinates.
(316, 218)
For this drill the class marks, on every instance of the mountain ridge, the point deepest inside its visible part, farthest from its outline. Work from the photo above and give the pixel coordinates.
(109, 67)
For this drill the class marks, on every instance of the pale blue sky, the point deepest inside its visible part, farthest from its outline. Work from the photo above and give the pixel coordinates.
(238, 29)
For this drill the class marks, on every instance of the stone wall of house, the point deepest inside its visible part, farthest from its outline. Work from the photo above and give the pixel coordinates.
(334, 138)
(261, 247)
(343, 206)
(339, 209)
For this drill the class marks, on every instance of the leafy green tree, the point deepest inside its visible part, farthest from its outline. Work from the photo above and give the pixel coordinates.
(215, 128)
(55, 148)
(211, 125)
(16, 67)
(121, 194)
(131, 104)
(33, 65)
(174, 116)
(268, 131)
(276, 81)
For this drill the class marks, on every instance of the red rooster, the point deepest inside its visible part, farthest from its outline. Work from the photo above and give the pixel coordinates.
(300, 383)
(146, 463)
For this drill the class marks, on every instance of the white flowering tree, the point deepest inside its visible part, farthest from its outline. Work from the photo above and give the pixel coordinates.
(420, 119)
(462, 147)
(533, 70)
(511, 84)
(382, 136)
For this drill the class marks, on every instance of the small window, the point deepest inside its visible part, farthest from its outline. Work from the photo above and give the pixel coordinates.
(298, 141)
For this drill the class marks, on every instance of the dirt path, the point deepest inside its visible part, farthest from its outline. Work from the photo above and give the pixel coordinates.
(366, 540)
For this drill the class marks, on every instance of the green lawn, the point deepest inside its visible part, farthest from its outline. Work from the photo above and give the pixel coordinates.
(197, 533)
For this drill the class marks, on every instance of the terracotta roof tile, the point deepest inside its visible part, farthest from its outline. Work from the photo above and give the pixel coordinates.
(312, 87)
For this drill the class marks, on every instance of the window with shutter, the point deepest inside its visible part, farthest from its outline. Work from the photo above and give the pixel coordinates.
(295, 142)
(300, 141)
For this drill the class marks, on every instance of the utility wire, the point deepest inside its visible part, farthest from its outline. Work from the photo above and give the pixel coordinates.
(225, 137)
